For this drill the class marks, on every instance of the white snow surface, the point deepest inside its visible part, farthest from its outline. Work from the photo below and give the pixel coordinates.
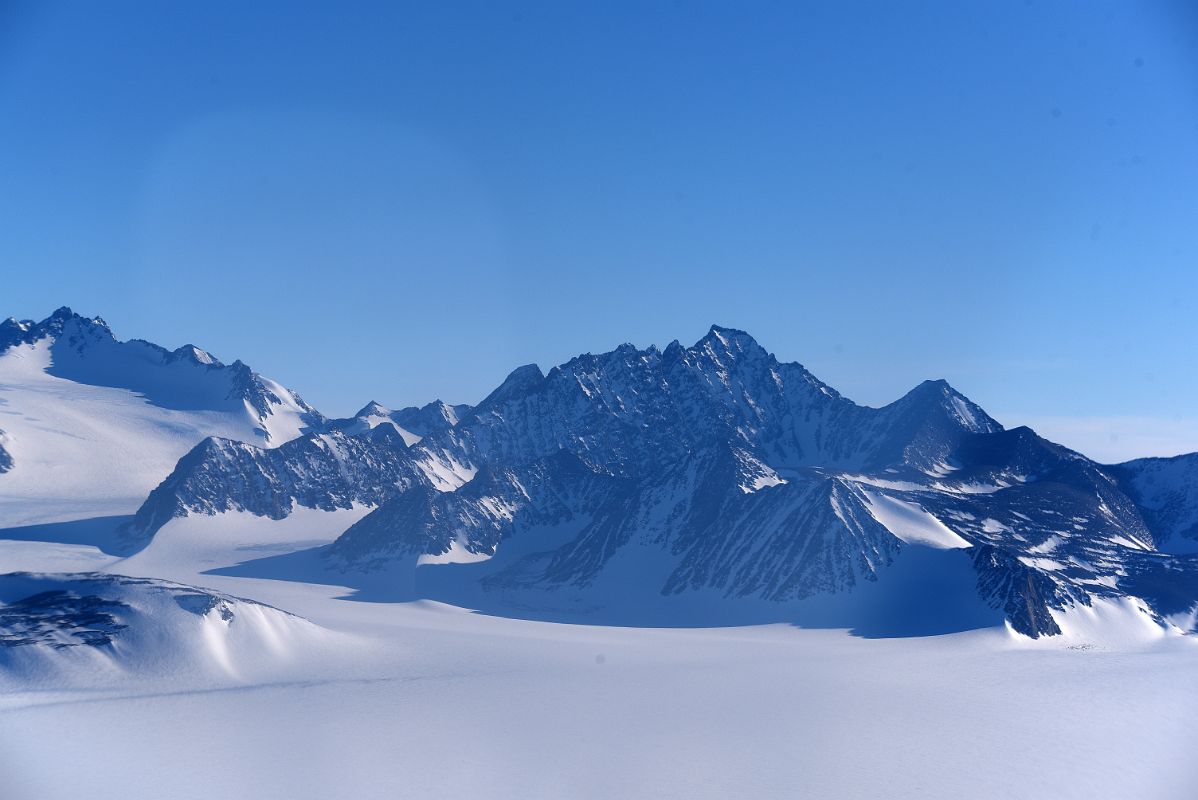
(911, 523)
(285, 421)
(1116, 623)
(83, 451)
(385, 699)
(456, 554)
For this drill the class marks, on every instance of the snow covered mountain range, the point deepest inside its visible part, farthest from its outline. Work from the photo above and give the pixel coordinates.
(705, 477)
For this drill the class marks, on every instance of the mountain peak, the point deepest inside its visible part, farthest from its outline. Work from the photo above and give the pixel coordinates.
(930, 390)
(65, 314)
(518, 381)
(373, 409)
(424, 420)
(26, 331)
(727, 334)
(728, 340)
(197, 355)
(449, 413)
(721, 331)
(13, 330)
(940, 393)
(934, 385)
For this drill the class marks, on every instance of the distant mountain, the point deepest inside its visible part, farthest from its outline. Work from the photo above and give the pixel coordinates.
(327, 471)
(85, 351)
(1166, 490)
(359, 460)
(413, 423)
(714, 471)
(92, 423)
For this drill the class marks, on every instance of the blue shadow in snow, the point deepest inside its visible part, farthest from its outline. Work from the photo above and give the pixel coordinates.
(924, 592)
(100, 532)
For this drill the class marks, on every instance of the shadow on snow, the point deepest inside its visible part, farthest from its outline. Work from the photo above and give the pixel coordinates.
(925, 592)
(99, 532)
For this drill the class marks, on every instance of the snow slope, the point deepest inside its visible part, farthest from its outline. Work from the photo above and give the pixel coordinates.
(73, 629)
(911, 523)
(91, 424)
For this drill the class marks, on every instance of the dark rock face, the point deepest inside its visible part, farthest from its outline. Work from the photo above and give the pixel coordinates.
(1024, 594)
(326, 471)
(1166, 490)
(60, 619)
(421, 520)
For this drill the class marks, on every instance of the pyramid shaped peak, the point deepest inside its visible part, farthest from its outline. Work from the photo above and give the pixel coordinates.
(449, 413)
(728, 339)
(197, 355)
(520, 381)
(939, 394)
(720, 330)
(373, 409)
(934, 385)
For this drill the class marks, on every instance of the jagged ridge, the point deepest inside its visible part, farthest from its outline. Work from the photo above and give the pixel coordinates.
(730, 472)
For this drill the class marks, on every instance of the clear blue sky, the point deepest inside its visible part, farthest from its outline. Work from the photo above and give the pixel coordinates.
(401, 201)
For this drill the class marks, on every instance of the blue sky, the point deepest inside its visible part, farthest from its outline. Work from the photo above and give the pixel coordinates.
(402, 201)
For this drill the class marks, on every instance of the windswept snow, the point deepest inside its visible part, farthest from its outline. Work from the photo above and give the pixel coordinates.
(911, 523)
(1110, 623)
(286, 420)
(446, 472)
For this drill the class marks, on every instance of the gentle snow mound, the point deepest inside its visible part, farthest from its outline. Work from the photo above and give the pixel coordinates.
(82, 627)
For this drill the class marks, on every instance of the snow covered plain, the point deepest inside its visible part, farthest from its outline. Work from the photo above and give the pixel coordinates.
(392, 699)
